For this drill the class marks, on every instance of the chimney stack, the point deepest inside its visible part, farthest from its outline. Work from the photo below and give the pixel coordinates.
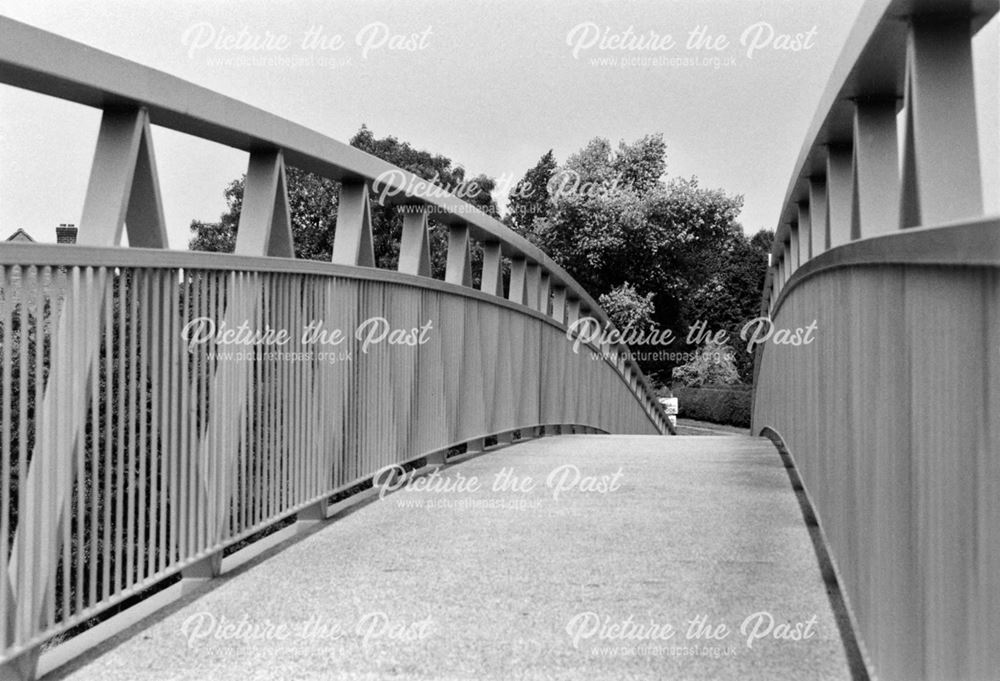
(66, 234)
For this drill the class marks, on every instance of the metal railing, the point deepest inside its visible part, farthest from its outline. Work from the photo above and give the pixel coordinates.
(890, 410)
(139, 441)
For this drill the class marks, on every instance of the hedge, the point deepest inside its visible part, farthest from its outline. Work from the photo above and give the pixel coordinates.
(723, 404)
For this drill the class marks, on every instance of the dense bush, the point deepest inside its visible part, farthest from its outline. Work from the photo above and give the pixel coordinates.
(726, 404)
(714, 363)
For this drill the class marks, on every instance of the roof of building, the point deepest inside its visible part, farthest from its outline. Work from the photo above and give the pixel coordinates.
(20, 235)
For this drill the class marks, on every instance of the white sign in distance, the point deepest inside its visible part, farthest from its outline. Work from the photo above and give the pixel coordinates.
(669, 405)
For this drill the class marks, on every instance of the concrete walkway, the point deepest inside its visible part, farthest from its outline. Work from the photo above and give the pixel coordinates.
(631, 558)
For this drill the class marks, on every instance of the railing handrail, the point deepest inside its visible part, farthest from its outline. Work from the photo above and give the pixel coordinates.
(56, 255)
(43, 62)
(873, 57)
(965, 243)
(59, 255)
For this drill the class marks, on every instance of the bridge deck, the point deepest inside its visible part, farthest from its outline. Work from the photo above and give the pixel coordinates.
(515, 584)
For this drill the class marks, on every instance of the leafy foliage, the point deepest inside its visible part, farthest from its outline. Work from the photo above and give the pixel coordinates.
(312, 203)
(387, 221)
(613, 218)
(712, 364)
(530, 197)
(728, 405)
(626, 307)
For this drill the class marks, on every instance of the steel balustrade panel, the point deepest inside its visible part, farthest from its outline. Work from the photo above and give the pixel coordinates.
(891, 415)
(133, 97)
(160, 444)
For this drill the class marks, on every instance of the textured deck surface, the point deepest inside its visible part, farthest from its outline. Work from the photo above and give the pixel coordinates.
(630, 558)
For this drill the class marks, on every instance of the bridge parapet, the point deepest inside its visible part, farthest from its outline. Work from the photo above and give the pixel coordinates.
(890, 412)
(154, 417)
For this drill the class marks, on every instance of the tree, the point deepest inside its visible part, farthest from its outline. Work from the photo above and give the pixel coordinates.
(641, 165)
(212, 236)
(613, 218)
(712, 364)
(626, 307)
(220, 237)
(730, 296)
(312, 204)
(387, 221)
(530, 197)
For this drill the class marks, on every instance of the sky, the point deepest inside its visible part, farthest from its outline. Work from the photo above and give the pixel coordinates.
(491, 85)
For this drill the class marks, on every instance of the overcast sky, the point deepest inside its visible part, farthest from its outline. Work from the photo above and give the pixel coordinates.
(492, 85)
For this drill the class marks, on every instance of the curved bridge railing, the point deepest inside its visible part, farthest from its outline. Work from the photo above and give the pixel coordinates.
(160, 408)
(890, 405)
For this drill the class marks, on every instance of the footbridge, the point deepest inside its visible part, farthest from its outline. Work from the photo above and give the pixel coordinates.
(248, 465)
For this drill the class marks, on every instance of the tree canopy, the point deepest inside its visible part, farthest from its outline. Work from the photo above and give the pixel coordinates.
(651, 247)
(530, 197)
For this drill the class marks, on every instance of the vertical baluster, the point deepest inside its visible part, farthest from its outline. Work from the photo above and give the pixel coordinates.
(176, 390)
(198, 462)
(787, 265)
(459, 265)
(559, 304)
(79, 388)
(142, 394)
(941, 173)
(262, 401)
(572, 311)
(107, 461)
(532, 285)
(42, 509)
(794, 249)
(298, 380)
(840, 193)
(285, 373)
(544, 283)
(820, 238)
(272, 416)
(93, 331)
(353, 243)
(132, 482)
(805, 233)
(187, 386)
(518, 285)
(205, 456)
(414, 245)
(6, 453)
(158, 504)
(120, 415)
(492, 276)
(875, 208)
(239, 519)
